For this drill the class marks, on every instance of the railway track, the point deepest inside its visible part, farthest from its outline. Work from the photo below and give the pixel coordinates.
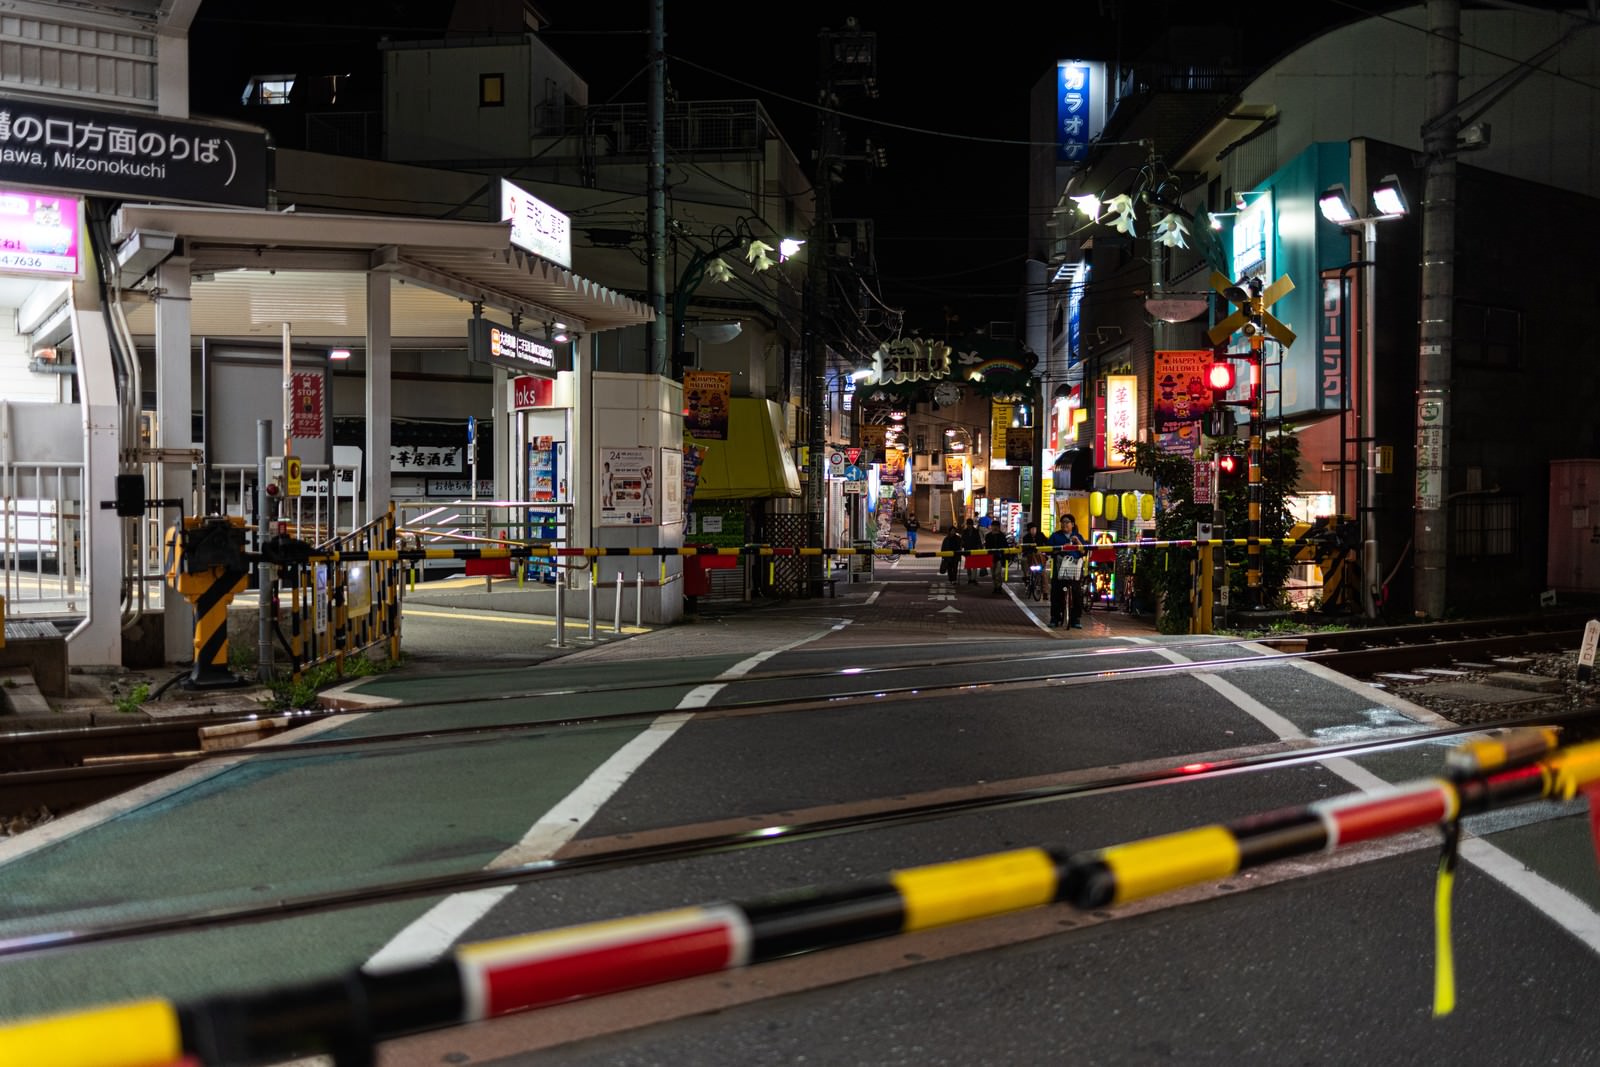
(637, 849)
(63, 770)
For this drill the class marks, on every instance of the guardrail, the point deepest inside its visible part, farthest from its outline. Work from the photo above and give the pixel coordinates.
(347, 1017)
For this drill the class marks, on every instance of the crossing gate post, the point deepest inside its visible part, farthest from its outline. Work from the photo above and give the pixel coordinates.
(208, 569)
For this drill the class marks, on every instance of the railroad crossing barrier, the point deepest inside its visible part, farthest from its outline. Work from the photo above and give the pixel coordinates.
(336, 608)
(348, 1016)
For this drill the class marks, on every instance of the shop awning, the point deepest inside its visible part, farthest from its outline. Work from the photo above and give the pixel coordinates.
(752, 462)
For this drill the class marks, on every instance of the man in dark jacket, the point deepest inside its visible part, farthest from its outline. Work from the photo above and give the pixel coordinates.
(952, 563)
(994, 542)
(971, 541)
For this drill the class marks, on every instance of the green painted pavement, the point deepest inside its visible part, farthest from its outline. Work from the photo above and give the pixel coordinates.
(261, 831)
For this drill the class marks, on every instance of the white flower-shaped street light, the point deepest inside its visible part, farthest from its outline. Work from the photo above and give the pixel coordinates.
(1121, 206)
(1171, 231)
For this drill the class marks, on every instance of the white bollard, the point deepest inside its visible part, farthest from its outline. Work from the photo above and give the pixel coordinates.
(638, 598)
(616, 614)
(593, 585)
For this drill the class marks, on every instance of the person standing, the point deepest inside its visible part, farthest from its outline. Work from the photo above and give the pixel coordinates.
(1066, 590)
(912, 526)
(995, 542)
(971, 542)
(951, 563)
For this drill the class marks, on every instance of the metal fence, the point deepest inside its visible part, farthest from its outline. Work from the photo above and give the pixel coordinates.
(342, 608)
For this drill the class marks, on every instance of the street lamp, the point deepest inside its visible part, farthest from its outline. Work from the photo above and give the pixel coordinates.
(707, 262)
(1389, 203)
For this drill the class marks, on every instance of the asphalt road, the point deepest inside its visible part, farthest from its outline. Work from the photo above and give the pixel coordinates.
(1305, 961)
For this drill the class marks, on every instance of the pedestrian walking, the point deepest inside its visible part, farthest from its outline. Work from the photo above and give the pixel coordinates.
(995, 542)
(952, 563)
(912, 526)
(971, 541)
(1066, 588)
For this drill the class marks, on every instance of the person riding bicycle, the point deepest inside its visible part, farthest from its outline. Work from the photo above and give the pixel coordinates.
(1032, 559)
(1066, 587)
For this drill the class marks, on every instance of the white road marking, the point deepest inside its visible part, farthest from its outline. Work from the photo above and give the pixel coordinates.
(431, 935)
(1560, 906)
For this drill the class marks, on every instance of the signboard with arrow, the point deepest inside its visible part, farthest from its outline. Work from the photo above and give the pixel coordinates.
(1250, 313)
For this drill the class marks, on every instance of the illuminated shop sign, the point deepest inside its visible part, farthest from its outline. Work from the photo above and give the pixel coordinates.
(489, 342)
(38, 233)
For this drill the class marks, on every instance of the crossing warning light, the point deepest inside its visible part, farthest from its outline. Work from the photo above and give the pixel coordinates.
(1220, 376)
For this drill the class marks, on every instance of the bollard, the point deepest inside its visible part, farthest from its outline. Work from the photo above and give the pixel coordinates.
(561, 607)
(616, 613)
(638, 597)
(594, 583)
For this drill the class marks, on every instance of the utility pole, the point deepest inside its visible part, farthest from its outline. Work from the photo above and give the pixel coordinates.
(1431, 533)
(818, 312)
(656, 237)
(846, 59)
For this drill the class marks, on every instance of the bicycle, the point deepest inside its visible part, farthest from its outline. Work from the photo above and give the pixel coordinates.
(1033, 579)
(895, 543)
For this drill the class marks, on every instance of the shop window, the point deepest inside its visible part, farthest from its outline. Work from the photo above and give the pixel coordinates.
(1484, 526)
(1487, 336)
(491, 90)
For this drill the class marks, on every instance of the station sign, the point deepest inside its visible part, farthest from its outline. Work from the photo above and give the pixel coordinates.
(535, 225)
(38, 233)
(131, 155)
(489, 342)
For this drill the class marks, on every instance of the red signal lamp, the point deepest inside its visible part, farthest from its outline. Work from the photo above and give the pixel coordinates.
(1228, 464)
(1220, 376)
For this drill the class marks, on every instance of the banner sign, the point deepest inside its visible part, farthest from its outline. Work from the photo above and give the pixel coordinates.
(705, 396)
(1181, 392)
(693, 456)
(893, 470)
(131, 156)
(873, 438)
(955, 468)
(305, 406)
(489, 342)
(38, 233)
(999, 426)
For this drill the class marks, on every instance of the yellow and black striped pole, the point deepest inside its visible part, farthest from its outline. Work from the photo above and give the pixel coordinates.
(1257, 415)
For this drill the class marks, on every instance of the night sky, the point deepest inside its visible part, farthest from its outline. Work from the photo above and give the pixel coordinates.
(951, 206)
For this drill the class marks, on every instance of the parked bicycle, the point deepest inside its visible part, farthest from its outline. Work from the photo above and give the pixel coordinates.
(895, 543)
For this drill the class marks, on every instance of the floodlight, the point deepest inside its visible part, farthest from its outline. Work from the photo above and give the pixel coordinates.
(1335, 206)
